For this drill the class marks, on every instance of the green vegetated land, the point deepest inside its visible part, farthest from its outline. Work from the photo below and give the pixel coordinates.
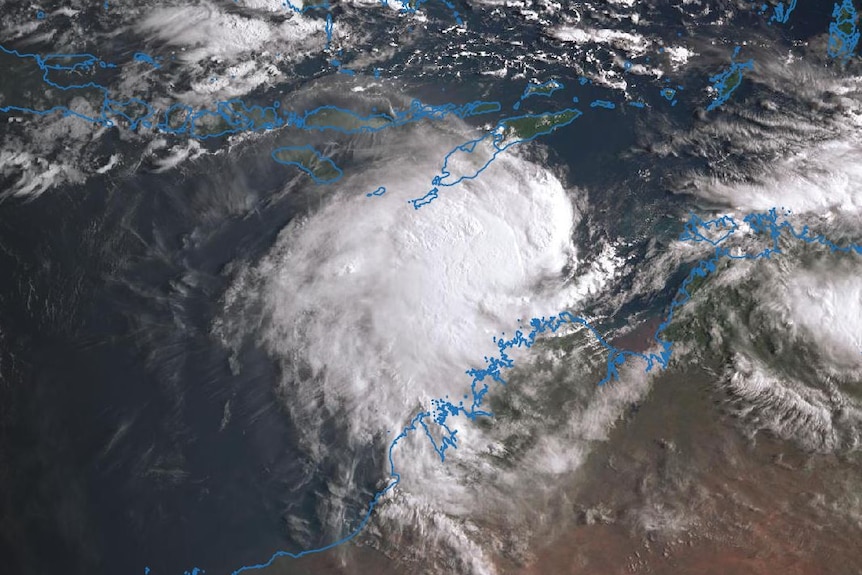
(307, 158)
(527, 127)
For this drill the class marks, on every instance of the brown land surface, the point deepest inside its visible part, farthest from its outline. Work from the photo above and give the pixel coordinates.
(679, 489)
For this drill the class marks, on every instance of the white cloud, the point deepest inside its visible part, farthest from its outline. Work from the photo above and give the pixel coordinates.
(208, 33)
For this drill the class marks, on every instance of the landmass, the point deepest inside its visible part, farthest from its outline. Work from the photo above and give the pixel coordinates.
(781, 14)
(545, 89)
(725, 83)
(321, 169)
(843, 32)
(461, 162)
(770, 225)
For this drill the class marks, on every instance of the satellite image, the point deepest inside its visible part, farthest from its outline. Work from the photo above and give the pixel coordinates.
(479, 287)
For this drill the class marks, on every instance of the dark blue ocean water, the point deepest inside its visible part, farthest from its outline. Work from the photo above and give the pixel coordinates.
(112, 391)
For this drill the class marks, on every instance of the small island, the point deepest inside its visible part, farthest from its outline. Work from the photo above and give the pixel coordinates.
(320, 168)
(725, 83)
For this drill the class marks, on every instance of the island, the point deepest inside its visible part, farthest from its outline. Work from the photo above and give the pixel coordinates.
(320, 168)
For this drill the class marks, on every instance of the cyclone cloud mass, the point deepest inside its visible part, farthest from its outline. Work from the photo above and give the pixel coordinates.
(621, 334)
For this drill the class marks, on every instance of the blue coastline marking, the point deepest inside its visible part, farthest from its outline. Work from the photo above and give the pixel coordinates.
(234, 114)
(328, 29)
(245, 117)
(378, 192)
(407, 7)
(146, 59)
(637, 104)
(841, 44)
(720, 81)
(240, 117)
(497, 139)
(713, 232)
(83, 62)
(413, 6)
(539, 89)
(455, 14)
(781, 14)
(303, 9)
(307, 169)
